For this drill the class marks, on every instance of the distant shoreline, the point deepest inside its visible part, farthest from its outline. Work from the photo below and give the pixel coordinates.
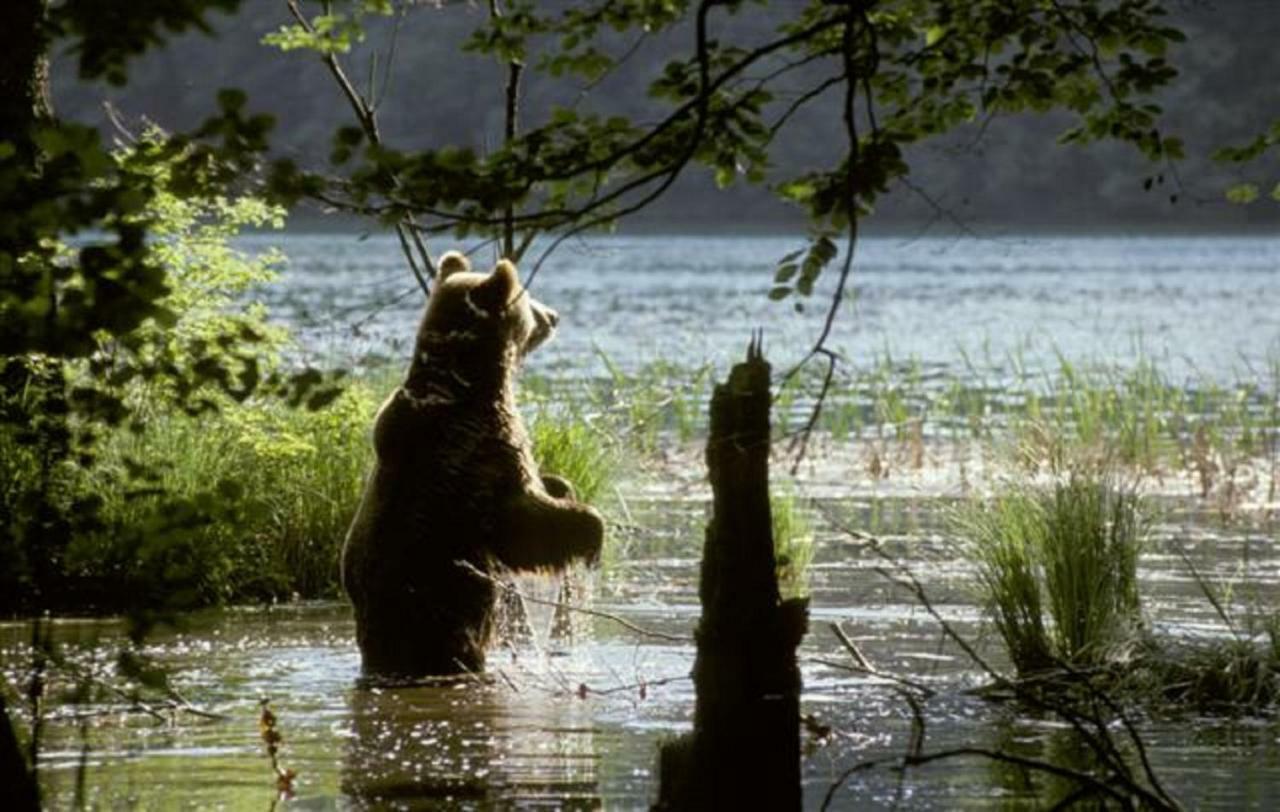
(321, 224)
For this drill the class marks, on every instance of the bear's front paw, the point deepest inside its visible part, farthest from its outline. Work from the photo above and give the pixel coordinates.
(591, 540)
(558, 487)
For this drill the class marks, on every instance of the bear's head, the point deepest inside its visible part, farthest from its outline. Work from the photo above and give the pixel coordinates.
(479, 325)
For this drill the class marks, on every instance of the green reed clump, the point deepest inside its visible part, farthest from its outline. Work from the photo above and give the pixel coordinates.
(569, 446)
(1236, 676)
(1005, 537)
(660, 399)
(1240, 674)
(277, 488)
(792, 543)
(1057, 569)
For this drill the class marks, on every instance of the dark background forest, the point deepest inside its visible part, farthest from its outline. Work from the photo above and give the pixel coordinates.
(1002, 176)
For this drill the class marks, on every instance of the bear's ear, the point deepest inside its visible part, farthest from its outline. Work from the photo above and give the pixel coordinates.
(453, 262)
(500, 287)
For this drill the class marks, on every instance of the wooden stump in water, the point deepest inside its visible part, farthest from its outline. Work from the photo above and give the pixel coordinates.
(744, 751)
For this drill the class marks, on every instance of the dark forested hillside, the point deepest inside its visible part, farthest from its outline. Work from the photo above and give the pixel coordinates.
(1009, 174)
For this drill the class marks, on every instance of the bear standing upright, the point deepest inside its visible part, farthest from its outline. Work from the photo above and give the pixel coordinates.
(455, 484)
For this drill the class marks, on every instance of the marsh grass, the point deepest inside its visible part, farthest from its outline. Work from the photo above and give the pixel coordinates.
(1057, 573)
(792, 543)
(576, 449)
(1147, 421)
(285, 483)
(1057, 569)
(1238, 675)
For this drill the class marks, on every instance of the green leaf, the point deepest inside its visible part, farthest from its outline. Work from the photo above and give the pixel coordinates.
(230, 490)
(779, 292)
(1243, 193)
(323, 398)
(799, 191)
(231, 99)
(725, 176)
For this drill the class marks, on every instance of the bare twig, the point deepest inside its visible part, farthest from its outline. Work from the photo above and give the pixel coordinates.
(863, 666)
(700, 105)
(849, 34)
(1091, 727)
(367, 117)
(510, 125)
(1097, 785)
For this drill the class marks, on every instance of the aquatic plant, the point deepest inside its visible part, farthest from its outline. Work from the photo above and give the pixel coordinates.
(1240, 674)
(792, 543)
(1057, 569)
(1004, 536)
(1236, 676)
(569, 446)
(272, 739)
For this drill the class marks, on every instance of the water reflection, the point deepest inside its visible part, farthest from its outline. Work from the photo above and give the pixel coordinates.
(468, 744)
(1022, 787)
(540, 743)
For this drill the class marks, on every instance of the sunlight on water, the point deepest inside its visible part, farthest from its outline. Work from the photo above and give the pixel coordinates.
(1203, 304)
(578, 725)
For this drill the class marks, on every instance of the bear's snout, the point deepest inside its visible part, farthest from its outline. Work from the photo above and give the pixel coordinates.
(544, 324)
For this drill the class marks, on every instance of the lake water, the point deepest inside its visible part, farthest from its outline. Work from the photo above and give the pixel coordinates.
(1199, 305)
(536, 739)
(572, 726)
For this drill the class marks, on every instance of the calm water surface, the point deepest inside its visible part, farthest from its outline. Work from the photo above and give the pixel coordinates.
(1200, 305)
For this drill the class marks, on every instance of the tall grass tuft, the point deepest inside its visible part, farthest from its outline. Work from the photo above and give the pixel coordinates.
(1090, 558)
(570, 447)
(1005, 537)
(271, 491)
(792, 544)
(286, 482)
(1057, 569)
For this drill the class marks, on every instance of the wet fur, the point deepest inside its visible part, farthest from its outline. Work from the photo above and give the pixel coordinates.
(455, 480)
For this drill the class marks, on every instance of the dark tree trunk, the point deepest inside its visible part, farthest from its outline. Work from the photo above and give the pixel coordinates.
(24, 69)
(744, 752)
(24, 102)
(19, 786)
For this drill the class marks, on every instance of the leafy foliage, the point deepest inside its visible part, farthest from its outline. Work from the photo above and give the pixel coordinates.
(1262, 144)
(91, 370)
(103, 36)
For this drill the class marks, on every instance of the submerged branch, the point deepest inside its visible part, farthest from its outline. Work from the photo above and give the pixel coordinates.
(1092, 726)
(621, 621)
(863, 666)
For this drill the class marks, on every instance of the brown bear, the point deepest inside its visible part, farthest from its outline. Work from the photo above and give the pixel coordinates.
(455, 485)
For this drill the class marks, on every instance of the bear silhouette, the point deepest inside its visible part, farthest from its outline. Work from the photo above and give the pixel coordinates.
(455, 488)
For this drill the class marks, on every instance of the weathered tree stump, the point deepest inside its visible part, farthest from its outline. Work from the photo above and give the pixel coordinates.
(744, 751)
